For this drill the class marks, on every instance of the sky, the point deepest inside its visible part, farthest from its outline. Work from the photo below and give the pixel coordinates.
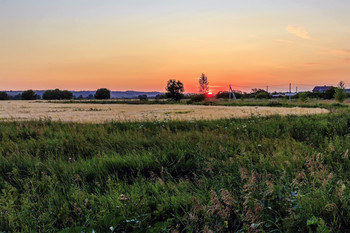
(140, 44)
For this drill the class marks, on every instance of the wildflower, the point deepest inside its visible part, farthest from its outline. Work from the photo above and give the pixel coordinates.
(123, 197)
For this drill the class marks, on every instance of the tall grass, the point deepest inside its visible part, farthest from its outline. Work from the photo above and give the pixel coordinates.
(274, 174)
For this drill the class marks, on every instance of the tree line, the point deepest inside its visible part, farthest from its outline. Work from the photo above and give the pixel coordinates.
(56, 94)
(175, 91)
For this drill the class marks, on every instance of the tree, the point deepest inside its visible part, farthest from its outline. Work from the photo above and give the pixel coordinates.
(66, 95)
(175, 89)
(340, 94)
(103, 94)
(203, 84)
(29, 95)
(57, 95)
(4, 96)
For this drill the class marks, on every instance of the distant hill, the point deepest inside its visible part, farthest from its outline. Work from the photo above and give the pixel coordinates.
(114, 94)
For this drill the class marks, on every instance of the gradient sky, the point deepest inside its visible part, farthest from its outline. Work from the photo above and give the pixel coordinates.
(140, 44)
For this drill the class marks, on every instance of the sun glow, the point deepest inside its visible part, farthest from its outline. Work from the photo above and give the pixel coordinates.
(209, 94)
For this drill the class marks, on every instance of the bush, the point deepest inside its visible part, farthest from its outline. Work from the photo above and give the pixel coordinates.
(340, 95)
(329, 93)
(197, 98)
(303, 96)
(4, 96)
(226, 94)
(261, 94)
(103, 94)
(29, 95)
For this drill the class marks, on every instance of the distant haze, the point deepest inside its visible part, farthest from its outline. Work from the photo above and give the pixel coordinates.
(139, 45)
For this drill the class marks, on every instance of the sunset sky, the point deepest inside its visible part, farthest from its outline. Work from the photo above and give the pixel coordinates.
(140, 44)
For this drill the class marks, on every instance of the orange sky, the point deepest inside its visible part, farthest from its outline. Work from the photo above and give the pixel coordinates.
(133, 45)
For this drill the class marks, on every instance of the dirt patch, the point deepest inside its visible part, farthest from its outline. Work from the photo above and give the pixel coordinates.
(98, 113)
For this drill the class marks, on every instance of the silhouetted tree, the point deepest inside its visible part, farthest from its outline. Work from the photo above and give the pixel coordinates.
(4, 96)
(103, 94)
(175, 89)
(66, 95)
(203, 84)
(29, 95)
(57, 95)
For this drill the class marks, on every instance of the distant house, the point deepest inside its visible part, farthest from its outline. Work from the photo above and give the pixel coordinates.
(321, 88)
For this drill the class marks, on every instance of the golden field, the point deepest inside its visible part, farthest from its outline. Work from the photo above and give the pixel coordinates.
(99, 113)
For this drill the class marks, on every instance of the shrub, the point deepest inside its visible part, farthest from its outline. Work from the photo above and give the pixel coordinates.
(261, 94)
(226, 94)
(340, 95)
(329, 93)
(197, 98)
(303, 96)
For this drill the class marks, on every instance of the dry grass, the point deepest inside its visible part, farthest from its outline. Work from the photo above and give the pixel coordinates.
(97, 113)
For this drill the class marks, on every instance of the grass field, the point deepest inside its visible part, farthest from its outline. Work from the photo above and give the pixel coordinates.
(97, 112)
(260, 174)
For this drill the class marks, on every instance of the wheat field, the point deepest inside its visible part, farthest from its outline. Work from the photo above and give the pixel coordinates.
(98, 113)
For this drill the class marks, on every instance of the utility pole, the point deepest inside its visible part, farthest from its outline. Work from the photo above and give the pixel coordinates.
(267, 89)
(296, 90)
(232, 93)
(290, 91)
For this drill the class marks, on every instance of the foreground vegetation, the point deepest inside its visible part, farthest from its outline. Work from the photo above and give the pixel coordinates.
(275, 174)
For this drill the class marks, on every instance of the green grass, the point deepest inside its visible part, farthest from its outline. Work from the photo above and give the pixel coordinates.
(277, 103)
(274, 174)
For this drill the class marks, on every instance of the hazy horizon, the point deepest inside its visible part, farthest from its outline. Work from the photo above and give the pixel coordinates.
(138, 45)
